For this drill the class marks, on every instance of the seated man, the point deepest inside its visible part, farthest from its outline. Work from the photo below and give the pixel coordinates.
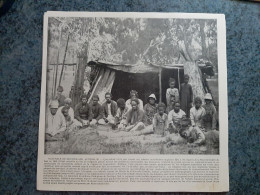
(96, 110)
(121, 113)
(109, 109)
(175, 116)
(134, 118)
(55, 123)
(83, 112)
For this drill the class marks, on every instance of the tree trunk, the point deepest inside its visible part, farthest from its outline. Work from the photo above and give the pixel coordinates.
(203, 39)
(192, 69)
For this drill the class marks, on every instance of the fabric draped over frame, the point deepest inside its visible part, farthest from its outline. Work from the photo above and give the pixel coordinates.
(103, 84)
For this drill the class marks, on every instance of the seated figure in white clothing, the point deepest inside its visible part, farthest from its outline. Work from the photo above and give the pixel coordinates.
(55, 124)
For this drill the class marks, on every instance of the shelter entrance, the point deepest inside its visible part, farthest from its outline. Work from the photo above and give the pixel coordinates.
(144, 83)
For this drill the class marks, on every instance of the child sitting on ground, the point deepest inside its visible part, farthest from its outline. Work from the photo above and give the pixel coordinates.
(172, 92)
(160, 121)
(174, 117)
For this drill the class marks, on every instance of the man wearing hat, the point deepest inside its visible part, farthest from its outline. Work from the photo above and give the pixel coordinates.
(209, 119)
(150, 109)
(55, 122)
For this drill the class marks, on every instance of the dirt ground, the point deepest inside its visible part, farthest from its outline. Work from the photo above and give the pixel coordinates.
(104, 140)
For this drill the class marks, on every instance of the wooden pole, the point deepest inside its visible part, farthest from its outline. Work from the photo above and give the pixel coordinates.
(160, 84)
(63, 63)
(179, 82)
(57, 66)
(53, 82)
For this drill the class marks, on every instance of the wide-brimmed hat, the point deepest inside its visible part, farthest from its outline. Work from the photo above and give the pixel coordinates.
(152, 96)
(208, 96)
(54, 104)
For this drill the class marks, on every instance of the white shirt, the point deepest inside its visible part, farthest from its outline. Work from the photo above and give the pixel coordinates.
(55, 123)
(174, 117)
(196, 116)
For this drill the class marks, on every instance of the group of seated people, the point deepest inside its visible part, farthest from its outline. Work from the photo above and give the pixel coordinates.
(132, 116)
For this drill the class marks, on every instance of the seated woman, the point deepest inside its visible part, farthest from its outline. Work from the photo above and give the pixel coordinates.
(174, 117)
(134, 95)
(120, 113)
(150, 109)
(160, 120)
(134, 118)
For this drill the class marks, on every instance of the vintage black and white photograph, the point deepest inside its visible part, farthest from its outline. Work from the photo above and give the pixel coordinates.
(128, 85)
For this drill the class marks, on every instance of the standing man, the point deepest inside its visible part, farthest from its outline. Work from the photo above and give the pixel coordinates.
(83, 112)
(109, 109)
(61, 98)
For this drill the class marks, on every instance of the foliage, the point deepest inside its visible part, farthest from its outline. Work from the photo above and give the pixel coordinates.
(137, 40)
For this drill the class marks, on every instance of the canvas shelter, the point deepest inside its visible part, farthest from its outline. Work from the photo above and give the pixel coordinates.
(120, 79)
